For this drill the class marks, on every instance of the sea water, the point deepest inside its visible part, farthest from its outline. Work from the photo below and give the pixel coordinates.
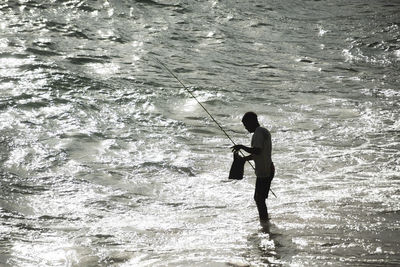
(107, 161)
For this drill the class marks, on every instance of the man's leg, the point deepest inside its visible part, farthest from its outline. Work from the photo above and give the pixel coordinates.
(262, 209)
(261, 194)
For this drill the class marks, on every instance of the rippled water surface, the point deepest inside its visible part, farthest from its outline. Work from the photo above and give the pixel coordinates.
(107, 161)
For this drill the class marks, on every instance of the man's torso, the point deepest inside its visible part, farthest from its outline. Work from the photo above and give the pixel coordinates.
(262, 139)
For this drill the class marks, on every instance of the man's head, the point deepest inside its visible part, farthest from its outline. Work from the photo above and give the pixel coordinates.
(250, 121)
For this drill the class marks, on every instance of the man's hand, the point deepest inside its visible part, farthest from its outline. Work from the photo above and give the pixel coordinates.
(236, 148)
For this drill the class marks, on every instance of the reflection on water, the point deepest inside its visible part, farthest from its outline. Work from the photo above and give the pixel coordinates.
(106, 161)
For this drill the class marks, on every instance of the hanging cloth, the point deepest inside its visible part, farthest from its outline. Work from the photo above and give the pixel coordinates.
(237, 168)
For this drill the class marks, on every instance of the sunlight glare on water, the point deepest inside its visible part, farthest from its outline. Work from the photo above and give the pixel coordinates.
(107, 161)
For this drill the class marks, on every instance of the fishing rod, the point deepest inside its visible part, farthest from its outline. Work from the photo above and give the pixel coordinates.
(201, 105)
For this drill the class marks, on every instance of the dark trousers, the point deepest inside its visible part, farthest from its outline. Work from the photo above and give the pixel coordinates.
(263, 184)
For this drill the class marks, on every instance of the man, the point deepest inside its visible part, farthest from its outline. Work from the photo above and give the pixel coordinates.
(260, 152)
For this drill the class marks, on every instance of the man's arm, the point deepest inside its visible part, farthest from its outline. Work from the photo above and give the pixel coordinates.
(251, 150)
(249, 157)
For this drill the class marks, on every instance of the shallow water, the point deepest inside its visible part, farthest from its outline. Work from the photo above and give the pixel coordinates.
(107, 161)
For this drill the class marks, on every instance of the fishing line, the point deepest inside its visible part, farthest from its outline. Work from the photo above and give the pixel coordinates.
(201, 105)
(195, 98)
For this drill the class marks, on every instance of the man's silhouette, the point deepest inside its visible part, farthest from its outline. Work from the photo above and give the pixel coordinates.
(260, 153)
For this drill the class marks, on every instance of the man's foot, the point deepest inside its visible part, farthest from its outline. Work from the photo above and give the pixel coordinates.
(265, 224)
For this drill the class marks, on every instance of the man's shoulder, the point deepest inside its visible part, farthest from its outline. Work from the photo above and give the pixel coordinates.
(262, 130)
